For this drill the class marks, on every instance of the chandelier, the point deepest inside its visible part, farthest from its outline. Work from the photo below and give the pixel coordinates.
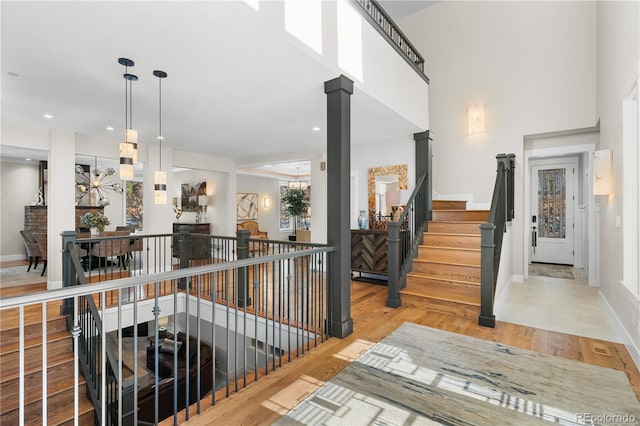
(96, 182)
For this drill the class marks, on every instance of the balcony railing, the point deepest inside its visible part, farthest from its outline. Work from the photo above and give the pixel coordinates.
(382, 22)
(238, 319)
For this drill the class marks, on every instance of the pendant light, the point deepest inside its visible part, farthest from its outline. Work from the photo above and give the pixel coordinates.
(128, 147)
(160, 177)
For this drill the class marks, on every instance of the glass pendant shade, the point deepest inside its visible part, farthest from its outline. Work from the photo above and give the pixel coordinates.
(160, 187)
(131, 137)
(126, 161)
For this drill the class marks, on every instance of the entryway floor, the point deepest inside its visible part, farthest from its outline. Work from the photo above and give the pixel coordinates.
(559, 304)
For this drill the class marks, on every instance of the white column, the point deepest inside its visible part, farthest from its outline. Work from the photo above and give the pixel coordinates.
(318, 204)
(60, 200)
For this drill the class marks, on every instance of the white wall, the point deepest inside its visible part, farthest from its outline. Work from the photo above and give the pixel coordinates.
(18, 185)
(216, 189)
(213, 164)
(268, 218)
(617, 65)
(531, 63)
(381, 153)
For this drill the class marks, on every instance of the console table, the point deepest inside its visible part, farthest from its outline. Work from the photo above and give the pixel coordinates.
(369, 251)
(200, 248)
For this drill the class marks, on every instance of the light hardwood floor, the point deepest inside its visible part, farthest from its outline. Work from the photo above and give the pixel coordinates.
(265, 401)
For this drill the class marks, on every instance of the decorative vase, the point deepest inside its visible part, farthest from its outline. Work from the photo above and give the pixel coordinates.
(94, 231)
(363, 220)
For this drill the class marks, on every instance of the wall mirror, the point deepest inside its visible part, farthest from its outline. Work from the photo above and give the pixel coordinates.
(382, 182)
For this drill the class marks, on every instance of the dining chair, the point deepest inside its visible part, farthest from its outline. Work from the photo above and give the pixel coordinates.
(31, 245)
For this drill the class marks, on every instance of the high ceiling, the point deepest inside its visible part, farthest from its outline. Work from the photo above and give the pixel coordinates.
(235, 88)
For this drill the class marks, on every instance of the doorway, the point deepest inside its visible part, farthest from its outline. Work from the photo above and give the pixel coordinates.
(553, 205)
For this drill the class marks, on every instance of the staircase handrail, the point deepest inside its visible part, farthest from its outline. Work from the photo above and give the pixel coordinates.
(404, 237)
(89, 343)
(491, 235)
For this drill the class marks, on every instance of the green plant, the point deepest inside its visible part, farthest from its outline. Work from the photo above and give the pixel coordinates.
(296, 204)
(94, 220)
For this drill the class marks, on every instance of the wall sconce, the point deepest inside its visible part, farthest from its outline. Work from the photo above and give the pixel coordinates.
(203, 202)
(475, 114)
(266, 202)
(602, 172)
(177, 210)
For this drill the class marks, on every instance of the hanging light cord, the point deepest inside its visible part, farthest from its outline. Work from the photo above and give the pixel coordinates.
(160, 118)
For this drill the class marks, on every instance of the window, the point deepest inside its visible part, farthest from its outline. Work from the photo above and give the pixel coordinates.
(134, 205)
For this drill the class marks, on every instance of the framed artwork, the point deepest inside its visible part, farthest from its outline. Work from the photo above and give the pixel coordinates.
(190, 193)
(246, 206)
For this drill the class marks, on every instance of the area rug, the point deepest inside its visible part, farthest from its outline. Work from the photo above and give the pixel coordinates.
(14, 276)
(551, 270)
(419, 375)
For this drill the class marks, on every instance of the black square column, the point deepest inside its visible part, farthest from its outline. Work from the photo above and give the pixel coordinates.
(339, 91)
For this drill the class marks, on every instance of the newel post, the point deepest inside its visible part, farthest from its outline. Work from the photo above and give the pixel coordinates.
(68, 275)
(242, 277)
(183, 241)
(424, 154)
(393, 264)
(487, 275)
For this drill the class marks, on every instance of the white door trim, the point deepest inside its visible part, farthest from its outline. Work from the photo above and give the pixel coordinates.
(529, 155)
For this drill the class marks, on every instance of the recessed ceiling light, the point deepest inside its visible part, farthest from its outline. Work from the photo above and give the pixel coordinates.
(316, 129)
(109, 128)
(13, 74)
(28, 159)
(48, 116)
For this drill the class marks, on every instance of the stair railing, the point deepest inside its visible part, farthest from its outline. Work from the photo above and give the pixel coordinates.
(382, 22)
(404, 237)
(91, 342)
(491, 234)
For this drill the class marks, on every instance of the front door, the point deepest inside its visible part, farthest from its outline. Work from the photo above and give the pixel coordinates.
(553, 199)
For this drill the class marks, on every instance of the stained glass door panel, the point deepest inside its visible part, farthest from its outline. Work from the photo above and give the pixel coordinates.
(552, 203)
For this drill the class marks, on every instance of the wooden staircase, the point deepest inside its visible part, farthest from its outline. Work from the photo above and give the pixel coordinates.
(59, 369)
(446, 272)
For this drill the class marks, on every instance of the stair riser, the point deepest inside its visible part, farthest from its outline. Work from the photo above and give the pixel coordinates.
(9, 363)
(449, 205)
(465, 293)
(33, 386)
(468, 273)
(32, 331)
(470, 215)
(452, 256)
(454, 228)
(458, 241)
(451, 308)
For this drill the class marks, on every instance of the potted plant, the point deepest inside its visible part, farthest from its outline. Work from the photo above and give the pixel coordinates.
(95, 221)
(296, 204)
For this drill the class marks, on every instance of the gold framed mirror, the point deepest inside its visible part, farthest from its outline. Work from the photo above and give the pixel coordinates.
(391, 177)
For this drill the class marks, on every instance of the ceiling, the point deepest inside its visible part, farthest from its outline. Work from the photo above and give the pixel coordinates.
(232, 83)
(400, 8)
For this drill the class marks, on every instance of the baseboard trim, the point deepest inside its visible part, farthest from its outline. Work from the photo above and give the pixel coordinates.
(634, 351)
(517, 278)
(11, 257)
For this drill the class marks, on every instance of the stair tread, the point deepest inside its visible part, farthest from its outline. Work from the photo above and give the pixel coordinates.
(34, 366)
(457, 221)
(438, 262)
(442, 278)
(453, 233)
(33, 342)
(60, 407)
(449, 248)
(34, 393)
(419, 293)
(32, 315)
